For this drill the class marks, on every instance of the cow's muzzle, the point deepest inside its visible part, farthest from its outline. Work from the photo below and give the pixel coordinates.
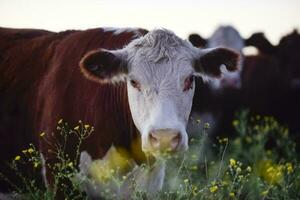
(164, 140)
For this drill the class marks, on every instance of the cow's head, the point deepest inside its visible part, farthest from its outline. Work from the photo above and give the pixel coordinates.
(159, 69)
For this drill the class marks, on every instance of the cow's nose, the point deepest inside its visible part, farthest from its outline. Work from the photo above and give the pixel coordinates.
(164, 139)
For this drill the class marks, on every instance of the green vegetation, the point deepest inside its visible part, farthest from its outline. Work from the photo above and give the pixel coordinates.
(260, 163)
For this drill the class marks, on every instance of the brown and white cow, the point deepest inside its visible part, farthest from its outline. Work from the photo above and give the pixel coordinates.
(127, 83)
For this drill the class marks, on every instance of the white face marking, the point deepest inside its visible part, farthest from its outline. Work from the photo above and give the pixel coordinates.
(160, 103)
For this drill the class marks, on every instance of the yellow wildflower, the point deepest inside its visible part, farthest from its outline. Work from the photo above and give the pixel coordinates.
(194, 168)
(224, 140)
(186, 180)
(264, 193)
(231, 194)
(194, 156)
(249, 169)
(285, 133)
(206, 126)
(198, 121)
(114, 161)
(238, 170)
(213, 189)
(235, 123)
(289, 168)
(232, 162)
(213, 183)
(30, 150)
(248, 139)
(17, 158)
(76, 128)
(70, 164)
(194, 190)
(24, 151)
(86, 126)
(35, 165)
(42, 134)
(272, 173)
(224, 183)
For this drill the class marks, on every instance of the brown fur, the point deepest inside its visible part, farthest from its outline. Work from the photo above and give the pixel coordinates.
(41, 82)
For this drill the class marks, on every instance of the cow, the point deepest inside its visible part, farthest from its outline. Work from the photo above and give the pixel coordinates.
(127, 83)
(269, 85)
(273, 77)
(286, 52)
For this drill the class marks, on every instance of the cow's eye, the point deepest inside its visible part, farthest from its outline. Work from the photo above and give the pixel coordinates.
(135, 84)
(188, 83)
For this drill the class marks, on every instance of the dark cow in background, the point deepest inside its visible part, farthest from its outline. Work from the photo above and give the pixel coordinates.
(269, 83)
(286, 53)
(274, 77)
(222, 96)
(127, 83)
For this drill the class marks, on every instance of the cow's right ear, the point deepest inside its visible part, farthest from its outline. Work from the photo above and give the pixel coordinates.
(104, 66)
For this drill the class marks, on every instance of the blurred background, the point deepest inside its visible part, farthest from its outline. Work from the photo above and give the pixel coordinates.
(274, 17)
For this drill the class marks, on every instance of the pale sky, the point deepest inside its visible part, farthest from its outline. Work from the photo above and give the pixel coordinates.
(274, 17)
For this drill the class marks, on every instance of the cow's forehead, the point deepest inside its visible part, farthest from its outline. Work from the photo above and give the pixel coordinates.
(158, 45)
(148, 72)
(160, 52)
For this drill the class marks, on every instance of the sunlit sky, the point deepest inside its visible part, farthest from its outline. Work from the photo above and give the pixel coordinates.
(274, 17)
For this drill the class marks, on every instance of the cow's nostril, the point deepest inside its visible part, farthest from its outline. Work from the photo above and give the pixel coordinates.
(175, 141)
(164, 139)
(153, 140)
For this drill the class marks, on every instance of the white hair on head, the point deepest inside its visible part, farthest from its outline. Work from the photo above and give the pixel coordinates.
(158, 45)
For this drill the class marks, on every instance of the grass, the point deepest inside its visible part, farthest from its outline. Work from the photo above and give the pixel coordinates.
(261, 162)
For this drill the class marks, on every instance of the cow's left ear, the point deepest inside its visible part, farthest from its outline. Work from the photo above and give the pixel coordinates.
(104, 66)
(210, 61)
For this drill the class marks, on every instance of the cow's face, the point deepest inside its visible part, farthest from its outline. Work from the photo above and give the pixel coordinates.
(159, 69)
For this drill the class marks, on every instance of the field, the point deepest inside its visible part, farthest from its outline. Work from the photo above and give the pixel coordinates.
(261, 162)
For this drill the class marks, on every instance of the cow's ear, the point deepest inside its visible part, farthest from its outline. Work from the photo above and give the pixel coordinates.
(260, 41)
(197, 40)
(210, 61)
(104, 66)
